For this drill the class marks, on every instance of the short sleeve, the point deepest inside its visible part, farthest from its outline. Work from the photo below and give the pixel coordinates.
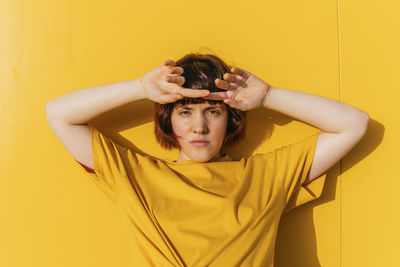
(288, 166)
(110, 159)
(296, 159)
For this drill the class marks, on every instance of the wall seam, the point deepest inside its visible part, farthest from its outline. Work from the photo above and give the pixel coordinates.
(341, 162)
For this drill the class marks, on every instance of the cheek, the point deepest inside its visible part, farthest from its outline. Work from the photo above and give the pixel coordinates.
(220, 128)
(222, 131)
(178, 126)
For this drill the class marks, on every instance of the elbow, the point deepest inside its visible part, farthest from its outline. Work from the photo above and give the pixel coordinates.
(362, 123)
(365, 120)
(47, 110)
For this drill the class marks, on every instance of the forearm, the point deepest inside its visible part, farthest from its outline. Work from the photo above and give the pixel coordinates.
(80, 106)
(323, 113)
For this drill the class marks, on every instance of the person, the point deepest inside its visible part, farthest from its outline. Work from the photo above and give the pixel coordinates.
(205, 208)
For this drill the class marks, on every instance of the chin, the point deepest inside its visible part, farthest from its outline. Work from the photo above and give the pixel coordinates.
(202, 158)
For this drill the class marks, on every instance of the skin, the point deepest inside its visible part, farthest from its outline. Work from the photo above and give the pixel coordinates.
(243, 91)
(342, 126)
(199, 121)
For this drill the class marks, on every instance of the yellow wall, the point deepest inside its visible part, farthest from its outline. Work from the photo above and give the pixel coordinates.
(52, 215)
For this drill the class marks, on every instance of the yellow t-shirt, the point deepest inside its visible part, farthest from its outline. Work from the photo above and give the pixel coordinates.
(222, 213)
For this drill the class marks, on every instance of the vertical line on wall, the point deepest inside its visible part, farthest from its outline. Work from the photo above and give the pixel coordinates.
(341, 100)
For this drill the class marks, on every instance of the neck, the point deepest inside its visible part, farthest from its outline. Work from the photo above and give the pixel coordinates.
(216, 157)
(183, 157)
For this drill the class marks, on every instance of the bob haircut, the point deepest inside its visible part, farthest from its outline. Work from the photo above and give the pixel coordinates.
(200, 72)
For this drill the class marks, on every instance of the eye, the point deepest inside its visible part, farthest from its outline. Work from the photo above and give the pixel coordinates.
(184, 112)
(214, 112)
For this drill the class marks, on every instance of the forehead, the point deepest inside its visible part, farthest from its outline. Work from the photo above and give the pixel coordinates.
(200, 105)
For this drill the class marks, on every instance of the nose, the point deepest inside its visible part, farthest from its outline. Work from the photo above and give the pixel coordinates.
(199, 124)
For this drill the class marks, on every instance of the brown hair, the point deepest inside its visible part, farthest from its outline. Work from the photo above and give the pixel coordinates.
(200, 72)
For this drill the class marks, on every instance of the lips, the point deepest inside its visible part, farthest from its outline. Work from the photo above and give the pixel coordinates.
(199, 143)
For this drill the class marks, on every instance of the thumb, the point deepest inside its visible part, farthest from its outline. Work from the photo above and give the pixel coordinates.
(237, 104)
(231, 103)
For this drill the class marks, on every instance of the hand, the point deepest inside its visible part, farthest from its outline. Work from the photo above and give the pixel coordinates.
(164, 84)
(245, 91)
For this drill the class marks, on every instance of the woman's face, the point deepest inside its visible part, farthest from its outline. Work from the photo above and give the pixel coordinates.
(200, 129)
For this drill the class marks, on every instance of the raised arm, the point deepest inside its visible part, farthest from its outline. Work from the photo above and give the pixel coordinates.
(68, 114)
(342, 126)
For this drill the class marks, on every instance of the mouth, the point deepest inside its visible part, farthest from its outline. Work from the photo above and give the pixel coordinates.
(200, 143)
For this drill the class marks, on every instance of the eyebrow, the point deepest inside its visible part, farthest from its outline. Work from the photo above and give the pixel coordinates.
(207, 108)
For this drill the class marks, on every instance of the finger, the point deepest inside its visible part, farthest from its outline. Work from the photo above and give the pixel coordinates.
(178, 96)
(240, 72)
(217, 96)
(193, 92)
(169, 62)
(222, 84)
(176, 70)
(165, 98)
(237, 70)
(175, 79)
(232, 78)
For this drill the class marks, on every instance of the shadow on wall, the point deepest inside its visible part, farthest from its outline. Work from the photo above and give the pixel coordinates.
(299, 248)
